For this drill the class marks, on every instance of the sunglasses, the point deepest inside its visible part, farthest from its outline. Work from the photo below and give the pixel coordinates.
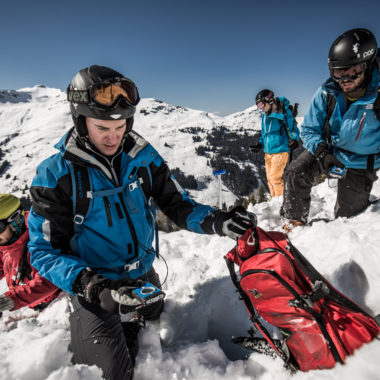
(5, 222)
(348, 73)
(261, 103)
(107, 93)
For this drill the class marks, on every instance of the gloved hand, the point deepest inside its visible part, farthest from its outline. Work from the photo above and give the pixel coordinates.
(6, 303)
(256, 148)
(123, 296)
(233, 223)
(109, 294)
(326, 159)
(292, 144)
(89, 285)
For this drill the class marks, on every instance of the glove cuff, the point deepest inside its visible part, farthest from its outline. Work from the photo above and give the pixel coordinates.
(81, 282)
(213, 223)
(6, 303)
(321, 148)
(89, 284)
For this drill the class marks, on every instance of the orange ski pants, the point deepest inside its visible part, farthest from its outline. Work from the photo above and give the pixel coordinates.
(274, 165)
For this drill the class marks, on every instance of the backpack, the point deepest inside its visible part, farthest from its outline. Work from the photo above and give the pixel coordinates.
(284, 124)
(294, 110)
(318, 325)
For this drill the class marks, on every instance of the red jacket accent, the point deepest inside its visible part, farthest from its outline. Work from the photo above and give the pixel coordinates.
(30, 291)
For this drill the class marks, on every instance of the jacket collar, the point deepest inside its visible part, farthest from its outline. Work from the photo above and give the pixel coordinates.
(82, 153)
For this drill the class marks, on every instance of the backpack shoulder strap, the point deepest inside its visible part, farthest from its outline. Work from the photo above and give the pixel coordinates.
(284, 123)
(331, 102)
(81, 188)
(24, 269)
(376, 104)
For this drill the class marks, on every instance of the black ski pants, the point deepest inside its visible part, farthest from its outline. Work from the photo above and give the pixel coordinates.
(304, 172)
(99, 338)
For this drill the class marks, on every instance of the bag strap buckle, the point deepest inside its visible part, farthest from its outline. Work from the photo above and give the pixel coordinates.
(132, 266)
(78, 219)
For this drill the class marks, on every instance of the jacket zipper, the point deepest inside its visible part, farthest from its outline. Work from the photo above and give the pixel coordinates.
(129, 220)
(114, 175)
(131, 226)
(107, 206)
(360, 126)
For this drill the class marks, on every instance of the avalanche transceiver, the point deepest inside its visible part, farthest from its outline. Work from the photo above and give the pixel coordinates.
(148, 293)
(337, 172)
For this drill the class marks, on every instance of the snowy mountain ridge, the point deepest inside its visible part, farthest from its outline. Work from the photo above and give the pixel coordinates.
(32, 120)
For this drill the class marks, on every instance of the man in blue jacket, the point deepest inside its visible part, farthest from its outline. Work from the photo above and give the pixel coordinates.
(91, 224)
(341, 131)
(279, 136)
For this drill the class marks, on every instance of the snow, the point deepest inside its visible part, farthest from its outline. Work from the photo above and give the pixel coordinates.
(203, 311)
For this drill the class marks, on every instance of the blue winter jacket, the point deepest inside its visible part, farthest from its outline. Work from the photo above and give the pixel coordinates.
(355, 133)
(115, 238)
(277, 129)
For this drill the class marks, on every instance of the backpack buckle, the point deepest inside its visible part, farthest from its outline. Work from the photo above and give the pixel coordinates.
(78, 219)
(132, 186)
(132, 266)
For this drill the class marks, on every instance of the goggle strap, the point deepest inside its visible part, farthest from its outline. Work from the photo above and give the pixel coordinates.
(14, 218)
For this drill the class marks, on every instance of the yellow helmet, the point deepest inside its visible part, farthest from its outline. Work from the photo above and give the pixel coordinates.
(8, 205)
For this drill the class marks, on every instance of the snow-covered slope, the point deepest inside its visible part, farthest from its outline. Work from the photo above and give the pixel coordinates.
(32, 120)
(202, 309)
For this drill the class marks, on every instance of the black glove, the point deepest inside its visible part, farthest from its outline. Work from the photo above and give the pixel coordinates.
(233, 223)
(89, 285)
(292, 144)
(6, 303)
(256, 148)
(326, 159)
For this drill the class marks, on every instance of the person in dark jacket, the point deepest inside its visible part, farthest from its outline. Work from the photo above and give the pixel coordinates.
(279, 136)
(26, 287)
(106, 253)
(343, 142)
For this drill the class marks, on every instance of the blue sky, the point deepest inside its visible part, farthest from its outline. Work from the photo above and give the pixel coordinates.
(212, 55)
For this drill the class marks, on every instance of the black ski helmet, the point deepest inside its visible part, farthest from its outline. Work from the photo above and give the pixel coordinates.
(82, 106)
(353, 47)
(264, 95)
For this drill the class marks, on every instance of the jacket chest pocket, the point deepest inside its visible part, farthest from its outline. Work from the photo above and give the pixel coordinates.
(134, 198)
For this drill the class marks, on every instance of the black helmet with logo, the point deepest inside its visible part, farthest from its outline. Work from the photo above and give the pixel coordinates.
(353, 47)
(101, 93)
(265, 96)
